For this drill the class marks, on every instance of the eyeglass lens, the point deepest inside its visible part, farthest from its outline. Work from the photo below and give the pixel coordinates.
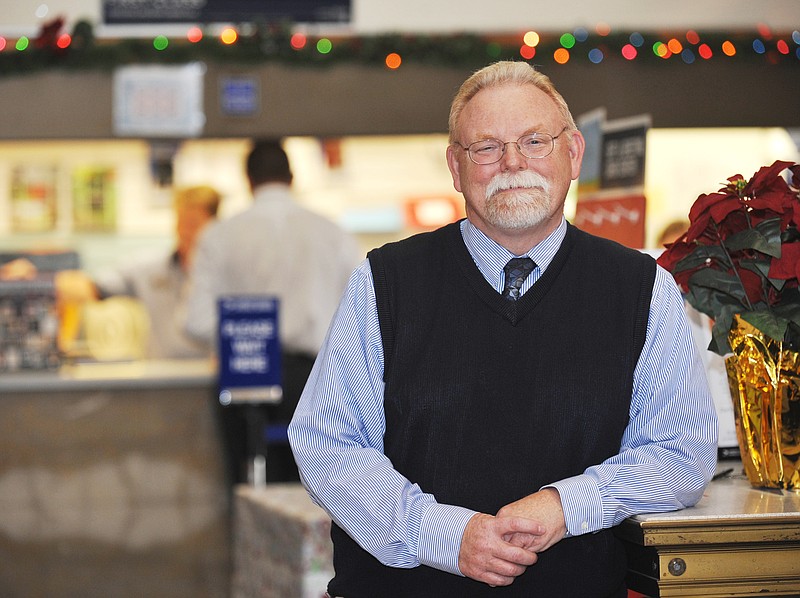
(488, 151)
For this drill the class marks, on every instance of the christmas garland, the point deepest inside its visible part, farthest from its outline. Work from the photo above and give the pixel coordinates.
(80, 50)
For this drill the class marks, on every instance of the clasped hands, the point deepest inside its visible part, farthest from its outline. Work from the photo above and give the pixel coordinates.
(497, 549)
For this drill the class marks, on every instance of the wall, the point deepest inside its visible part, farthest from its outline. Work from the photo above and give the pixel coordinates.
(365, 100)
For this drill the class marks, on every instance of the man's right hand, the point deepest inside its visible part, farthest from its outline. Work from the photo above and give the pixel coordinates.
(486, 553)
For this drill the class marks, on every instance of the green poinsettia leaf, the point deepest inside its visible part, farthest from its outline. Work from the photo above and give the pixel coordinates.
(715, 348)
(723, 282)
(778, 283)
(720, 344)
(790, 235)
(700, 257)
(712, 302)
(761, 267)
(764, 237)
(704, 300)
(746, 239)
(789, 311)
(771, 231)
(767, 322)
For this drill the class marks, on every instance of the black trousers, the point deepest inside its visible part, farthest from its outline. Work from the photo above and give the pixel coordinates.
(243, 427)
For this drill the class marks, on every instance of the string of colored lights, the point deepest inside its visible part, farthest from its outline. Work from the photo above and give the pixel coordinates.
(53, 48)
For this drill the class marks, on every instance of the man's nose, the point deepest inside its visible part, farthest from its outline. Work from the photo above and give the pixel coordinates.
(513, 158)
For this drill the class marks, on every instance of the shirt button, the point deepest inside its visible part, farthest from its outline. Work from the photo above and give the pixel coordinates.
(584, 526)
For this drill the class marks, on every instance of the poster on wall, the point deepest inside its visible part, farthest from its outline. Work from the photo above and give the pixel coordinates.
(33, 197)
(94, 199)
(126, 12)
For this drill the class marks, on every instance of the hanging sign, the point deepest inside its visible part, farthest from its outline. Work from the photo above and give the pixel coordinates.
(623, 153)
(239, 96)
(591, 127)
(127, 12)
(249, 350)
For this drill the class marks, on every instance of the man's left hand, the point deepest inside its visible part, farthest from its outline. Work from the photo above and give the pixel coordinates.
(544, 507)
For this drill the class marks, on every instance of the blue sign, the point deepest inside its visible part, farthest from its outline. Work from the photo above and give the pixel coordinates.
(249, 350)
(240, 96)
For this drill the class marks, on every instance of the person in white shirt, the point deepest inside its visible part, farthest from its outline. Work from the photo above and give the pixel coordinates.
(276, 248)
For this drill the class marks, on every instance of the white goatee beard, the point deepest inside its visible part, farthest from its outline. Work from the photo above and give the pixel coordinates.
(528, 205)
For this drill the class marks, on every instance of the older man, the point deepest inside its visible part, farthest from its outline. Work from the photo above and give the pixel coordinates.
(495, 395)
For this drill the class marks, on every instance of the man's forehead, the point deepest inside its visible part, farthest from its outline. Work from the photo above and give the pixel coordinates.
(521, 92)
(525, 105)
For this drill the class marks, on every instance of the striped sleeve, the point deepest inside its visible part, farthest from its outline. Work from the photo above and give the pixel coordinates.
(337, 439)
(669, 448)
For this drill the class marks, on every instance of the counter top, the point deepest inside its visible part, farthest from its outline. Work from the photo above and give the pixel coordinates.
(128, 374)
(728, 501)
(730, 507)
(737, 541)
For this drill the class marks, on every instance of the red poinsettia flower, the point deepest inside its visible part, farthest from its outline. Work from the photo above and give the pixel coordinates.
(676, 251)
(766, 178)
(712, 207)
(786, 267)
(752, 286)
(741, 253)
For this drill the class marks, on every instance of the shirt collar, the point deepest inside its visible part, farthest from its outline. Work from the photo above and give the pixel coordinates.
(490, 257)
(272, 192)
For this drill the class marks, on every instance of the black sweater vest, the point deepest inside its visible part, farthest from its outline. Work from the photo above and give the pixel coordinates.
(487, 400)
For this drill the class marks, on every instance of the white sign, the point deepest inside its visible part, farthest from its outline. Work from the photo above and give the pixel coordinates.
(159, 101)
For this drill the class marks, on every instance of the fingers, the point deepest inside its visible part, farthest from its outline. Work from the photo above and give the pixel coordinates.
(519, 525)
(526, 541)
(544, 507)
(498, 571)
(488, 556)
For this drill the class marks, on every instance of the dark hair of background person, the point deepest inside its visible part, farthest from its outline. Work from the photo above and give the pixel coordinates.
(268, 163)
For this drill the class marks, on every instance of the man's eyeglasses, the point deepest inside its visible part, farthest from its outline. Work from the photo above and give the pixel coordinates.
(532, 145)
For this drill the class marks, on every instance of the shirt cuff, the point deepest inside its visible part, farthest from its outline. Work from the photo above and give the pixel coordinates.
(582, 504)
(440, 536)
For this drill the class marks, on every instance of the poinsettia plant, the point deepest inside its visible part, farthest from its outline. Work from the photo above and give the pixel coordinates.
(741, 255)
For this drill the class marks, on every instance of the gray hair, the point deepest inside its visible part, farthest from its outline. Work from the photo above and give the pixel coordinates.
(502, 73)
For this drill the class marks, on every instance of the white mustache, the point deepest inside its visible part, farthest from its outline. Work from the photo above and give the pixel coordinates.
(516, 180)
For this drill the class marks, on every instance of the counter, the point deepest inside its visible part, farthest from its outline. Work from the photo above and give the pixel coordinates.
(143, 374)
(737, 541)
(113, 482)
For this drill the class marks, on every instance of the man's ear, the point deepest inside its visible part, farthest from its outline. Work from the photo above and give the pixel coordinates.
(455, 167)
(577, 145)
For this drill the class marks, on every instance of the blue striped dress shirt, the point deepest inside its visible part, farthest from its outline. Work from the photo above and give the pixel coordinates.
(668, 451)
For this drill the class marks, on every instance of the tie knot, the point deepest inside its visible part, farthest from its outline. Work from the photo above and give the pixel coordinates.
(516, 271)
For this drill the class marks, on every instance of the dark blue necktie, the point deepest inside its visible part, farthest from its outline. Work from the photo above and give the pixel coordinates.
(516, 270)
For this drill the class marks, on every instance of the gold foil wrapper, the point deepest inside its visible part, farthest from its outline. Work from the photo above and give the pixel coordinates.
(765, 386)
